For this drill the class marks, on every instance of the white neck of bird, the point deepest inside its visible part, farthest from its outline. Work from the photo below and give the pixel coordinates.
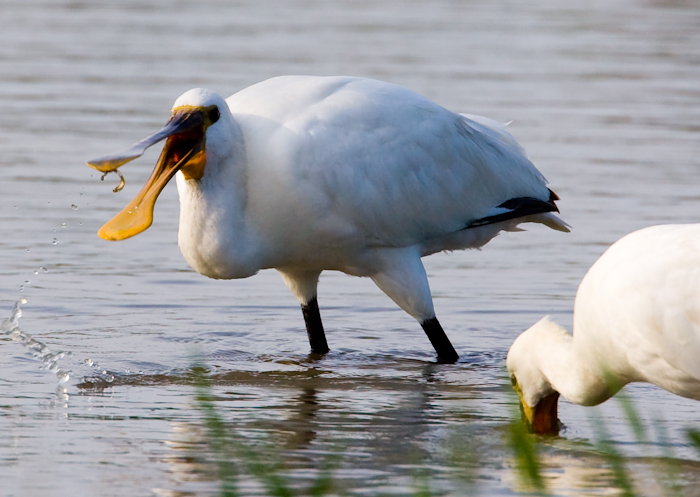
(213, 233)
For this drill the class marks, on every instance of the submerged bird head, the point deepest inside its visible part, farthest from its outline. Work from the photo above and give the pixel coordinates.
(194, 116)
(538, 399)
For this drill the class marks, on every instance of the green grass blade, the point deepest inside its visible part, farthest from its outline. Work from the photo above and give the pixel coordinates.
(216, 433)
(633, 418)
(694, 438)
(526, 457)
(614, 459)
(267, 474)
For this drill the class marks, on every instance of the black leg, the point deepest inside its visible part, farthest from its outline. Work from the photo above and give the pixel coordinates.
(314, 327)
(445, 351)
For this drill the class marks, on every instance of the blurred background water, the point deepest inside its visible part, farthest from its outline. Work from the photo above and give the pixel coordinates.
(604, 96)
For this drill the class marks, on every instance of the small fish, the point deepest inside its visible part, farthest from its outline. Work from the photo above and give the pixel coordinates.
(121, 184)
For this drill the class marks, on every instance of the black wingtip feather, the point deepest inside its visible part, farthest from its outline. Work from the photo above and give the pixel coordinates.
(519, 207)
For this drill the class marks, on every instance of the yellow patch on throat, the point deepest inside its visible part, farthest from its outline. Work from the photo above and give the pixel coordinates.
(194, 169)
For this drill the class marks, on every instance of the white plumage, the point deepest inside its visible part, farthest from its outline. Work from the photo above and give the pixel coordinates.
(636, 318)
(305, 174)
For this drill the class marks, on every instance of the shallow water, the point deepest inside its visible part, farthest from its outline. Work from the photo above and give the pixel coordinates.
(603, 95)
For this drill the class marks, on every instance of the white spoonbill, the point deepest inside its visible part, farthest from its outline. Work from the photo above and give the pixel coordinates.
(303, 174)
(636, 318)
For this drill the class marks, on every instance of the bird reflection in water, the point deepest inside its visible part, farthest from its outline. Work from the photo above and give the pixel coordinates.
(370, 423)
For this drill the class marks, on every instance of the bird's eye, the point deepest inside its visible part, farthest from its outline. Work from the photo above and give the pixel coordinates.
(214, 114)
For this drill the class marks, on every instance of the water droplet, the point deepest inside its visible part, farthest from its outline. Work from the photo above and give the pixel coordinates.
(16, 207)
(27, 282)
(43, 269)
(63, 225)
(22, 300)
(74, 207)
(89, 362)
(55, 242)
(28, 250)
(54, 230)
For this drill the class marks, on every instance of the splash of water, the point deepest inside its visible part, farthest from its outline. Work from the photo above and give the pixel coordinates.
(94, 374)
(49, 359)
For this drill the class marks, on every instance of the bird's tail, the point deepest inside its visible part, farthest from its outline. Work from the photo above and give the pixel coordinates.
(551, 221)
(539, 211)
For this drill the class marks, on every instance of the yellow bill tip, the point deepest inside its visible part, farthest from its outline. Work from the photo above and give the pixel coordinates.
(129, 222)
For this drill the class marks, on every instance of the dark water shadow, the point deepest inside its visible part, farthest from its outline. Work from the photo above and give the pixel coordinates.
(344, 371)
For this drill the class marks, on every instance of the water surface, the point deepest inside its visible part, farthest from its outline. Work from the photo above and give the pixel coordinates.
(603, 95)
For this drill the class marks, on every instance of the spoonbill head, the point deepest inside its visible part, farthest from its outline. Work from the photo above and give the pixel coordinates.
(636, 319)
(305, 174)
